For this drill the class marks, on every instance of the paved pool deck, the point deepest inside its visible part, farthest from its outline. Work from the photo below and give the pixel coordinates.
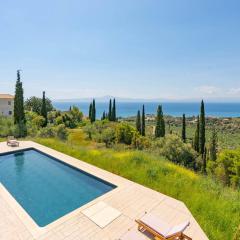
(131, 199)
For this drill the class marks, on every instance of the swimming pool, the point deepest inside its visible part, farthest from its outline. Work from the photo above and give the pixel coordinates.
(46, 187)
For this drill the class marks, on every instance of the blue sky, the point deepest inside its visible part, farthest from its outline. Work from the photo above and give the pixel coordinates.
(167, 49)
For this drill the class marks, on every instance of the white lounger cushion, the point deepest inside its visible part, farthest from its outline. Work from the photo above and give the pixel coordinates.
(178, 228)
(158, 225)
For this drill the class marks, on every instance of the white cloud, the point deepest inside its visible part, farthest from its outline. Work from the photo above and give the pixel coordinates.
(209, 90)
(234, 91)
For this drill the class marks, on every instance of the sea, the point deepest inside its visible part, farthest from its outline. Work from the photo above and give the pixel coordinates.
(176, 109)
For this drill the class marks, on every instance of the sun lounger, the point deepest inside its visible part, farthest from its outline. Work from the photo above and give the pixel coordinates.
(12, 142)
(160, 229)
(132, 235)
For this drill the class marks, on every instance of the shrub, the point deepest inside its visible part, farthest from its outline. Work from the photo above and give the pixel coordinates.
(175, 150)
(38, 121)
(6, 126)
(100, 126)
(59, 120)
(52, 115)
(108, 136)
(61, 132)
(139, 142)
(101, 131)
(47, 132)
(89, 129)
(227, 167)
(68, 121)
(33, 122)
(125, 133)
(76, 114)
(199, 163)
(30, 116)
(32, 131)
(72, 118)
(211, 166)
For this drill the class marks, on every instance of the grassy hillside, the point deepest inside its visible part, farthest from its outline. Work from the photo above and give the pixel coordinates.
(217, 209)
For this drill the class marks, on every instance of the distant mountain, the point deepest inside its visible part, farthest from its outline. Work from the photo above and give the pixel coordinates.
(118, 99)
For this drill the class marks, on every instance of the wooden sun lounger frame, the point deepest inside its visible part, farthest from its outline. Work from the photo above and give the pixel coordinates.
(157, 236)
(11, 141)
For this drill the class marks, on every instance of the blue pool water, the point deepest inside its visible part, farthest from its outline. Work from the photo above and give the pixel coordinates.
(46, 188)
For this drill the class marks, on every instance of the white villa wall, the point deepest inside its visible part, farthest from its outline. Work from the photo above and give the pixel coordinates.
(6, 106)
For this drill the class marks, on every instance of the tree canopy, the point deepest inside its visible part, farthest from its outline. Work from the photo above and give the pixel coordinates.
(34, 104)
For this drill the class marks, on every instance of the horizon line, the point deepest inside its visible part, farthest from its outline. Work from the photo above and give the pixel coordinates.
(129, 99)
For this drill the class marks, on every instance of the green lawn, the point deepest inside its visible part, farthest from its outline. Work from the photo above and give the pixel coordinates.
(217, 209)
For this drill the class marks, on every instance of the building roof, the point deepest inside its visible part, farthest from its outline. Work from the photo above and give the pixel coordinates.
(6, 96)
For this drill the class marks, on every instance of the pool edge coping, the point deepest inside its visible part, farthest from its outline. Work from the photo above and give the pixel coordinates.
(21, 213)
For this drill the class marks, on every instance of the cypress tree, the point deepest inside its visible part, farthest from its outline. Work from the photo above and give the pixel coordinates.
(16, 99)
(138, 122)
(114, 111)
(44, 109)
(163, 125)
(204, 158)
(19, 115)
(169, 127)
(143, 121)
(196, 137)
(202, 137)
(160, 124)
(104, 116)
(213, 145)
(90, 112)
(184, 128)
(110, 110)
(93, 114)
